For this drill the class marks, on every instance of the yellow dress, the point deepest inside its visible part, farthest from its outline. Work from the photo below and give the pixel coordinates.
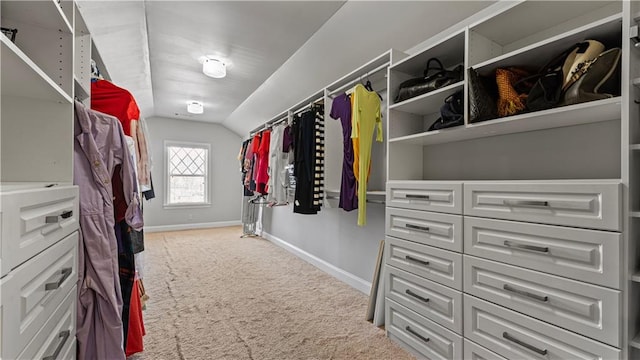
(365, 118)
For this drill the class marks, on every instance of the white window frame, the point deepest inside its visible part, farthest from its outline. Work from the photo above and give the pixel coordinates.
(167, 176)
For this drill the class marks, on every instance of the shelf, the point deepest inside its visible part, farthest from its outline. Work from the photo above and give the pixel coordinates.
(634, 147)
(636, 277)
(374, 66)
(428, 103)
(549, 48)
(635, 214)
(635, 342)
(26, 79)
(80, 91)
(636, 82)
(578, 114)
(450, 51)
(45, 14)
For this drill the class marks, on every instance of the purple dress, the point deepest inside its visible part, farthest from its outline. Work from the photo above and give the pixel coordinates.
(341, 109)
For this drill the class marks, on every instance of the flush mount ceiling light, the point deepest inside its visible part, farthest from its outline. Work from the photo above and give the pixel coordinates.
(214, 68)
(195, 107)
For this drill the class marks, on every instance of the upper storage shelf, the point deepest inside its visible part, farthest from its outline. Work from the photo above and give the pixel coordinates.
(44, 41)
(535, 24)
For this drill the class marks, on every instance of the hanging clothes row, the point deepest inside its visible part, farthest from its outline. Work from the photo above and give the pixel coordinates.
(359, 111)
(308, 140)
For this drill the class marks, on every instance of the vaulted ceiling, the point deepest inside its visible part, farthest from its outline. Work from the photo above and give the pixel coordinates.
(153, 48)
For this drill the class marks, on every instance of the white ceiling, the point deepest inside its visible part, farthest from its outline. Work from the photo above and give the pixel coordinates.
(279, 51)
(153, 48)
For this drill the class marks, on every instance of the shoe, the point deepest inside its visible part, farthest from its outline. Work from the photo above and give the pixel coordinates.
(595, 80)
(584, 51)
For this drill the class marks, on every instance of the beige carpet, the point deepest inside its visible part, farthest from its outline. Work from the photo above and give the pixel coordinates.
(217, 296)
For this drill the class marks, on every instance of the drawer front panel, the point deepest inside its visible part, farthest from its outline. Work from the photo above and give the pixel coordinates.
(57, 337)
(585, 255)
(32, 292)
(473, 351)
(441, 266)
(429, 228)
(425, 337)
(587, 309)
(34, 220)
(593, 205)
(516, 336)
(425, 195)
(436, 302)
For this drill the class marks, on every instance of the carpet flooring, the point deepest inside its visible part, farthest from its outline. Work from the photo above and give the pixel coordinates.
(214, 295)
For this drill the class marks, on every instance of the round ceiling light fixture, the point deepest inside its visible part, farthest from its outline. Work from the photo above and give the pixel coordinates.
(214, 68)
(195, 107)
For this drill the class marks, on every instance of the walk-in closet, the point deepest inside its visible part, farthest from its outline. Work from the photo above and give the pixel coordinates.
(319, 179)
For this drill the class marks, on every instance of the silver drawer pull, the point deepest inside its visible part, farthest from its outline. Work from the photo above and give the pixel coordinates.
(411, 258)
(541, 249)
(411, 293)
(417, 227)
(524, 344)
(54, 285)
(525, 293)
(409, 330)
(56, 218)
(64, 335)
(526, 202)
(416, 196)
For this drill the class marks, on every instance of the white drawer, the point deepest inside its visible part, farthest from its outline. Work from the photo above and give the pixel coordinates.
(586, 255)
(424, 337)
(441, 266)
(34, 219)
(588, 204)
(439, 196)
(473, 351)
(32, 292)
(587, 309)
(56, 340)
(516, 336)
(429, 228)
(436, 302)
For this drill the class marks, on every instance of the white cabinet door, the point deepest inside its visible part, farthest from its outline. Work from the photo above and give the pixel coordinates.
(516, 336)
(34, 219)
(429, 299)
(32, 292)
(587, 309)
(429, 228)
(441, 266)
(587, 204)
(438, 196)
(423, 336)
(586, 255)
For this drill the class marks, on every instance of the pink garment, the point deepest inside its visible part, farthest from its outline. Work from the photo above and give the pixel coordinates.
(262, 175)
(99, 146)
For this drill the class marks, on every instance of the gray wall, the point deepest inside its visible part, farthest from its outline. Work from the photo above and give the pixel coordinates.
(224, 173)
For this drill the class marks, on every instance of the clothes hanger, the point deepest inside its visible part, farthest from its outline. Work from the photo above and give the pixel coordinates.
(369, 87)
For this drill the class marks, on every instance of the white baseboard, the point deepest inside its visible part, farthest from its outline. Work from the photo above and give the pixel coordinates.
(150, 229)
(344, 276)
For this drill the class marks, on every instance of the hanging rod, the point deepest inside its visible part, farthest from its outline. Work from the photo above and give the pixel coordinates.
(320, 99)
(355, 80)
(268, 124)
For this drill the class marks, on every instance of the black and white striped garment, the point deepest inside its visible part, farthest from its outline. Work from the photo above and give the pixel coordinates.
(318, 183)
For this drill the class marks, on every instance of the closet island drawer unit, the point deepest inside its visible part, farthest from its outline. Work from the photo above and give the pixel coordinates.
(586, 309)
(516, 336)
(581, 203)
(424, 338)
(438, 196)
(34, 217)
(436, 302)
(56, 340)
(587, 255)
(33, 291)
(473, 351)
(441, 266)
(429, 228)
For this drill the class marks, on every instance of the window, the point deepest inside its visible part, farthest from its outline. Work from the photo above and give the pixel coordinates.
(187, 173)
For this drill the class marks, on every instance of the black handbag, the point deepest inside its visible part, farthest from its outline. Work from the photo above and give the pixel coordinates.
(451, 112)
(435, 77)
(483, 93)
